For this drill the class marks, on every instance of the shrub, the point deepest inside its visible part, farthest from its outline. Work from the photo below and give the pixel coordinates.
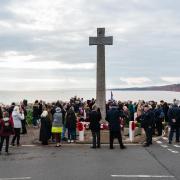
(29, 116)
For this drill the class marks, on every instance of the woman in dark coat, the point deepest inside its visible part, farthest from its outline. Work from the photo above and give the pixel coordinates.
(6, 129)
(45, 127)
(71, 125)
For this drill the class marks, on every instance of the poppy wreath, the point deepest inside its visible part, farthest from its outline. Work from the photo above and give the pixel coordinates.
(80, 126)
(133, 126)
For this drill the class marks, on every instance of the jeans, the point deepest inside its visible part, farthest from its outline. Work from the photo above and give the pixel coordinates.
(34, 121)
(7, 143)
(173, 129)
(64, 132)
(71, 134)
(96, 139)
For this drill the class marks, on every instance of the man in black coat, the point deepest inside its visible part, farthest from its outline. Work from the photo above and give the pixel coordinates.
(95, 117)
(113, 117)
(174, 122)
(159, 117)
(147, 122)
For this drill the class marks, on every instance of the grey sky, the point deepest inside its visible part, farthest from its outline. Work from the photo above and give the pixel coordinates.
(44, 44)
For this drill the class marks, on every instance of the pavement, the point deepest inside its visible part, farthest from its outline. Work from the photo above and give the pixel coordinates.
(80, 162)
(32, 137)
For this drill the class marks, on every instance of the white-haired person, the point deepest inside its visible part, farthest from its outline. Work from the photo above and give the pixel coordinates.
(45, 127)
(17, 116)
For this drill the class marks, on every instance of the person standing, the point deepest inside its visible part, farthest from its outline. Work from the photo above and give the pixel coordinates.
(57, 126)
(44, 130)
(174, 122)
(131, 111)
(113, 117)
(95, 117)
(17, 116)
(35, 113)
(71, 125)
(147, 123)
(11, 109)
(6, 129)
(24, 130)
(159, 118)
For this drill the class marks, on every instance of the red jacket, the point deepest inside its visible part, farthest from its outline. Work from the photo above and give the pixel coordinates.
(2, 125)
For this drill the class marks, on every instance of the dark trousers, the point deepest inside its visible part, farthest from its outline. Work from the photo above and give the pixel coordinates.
(114, 135)
(24, 130)
(71, 134)
(173, 129)
(57, 137)
(7, 143)
(96, 139)
(148, 132)
(17, 132)
(34, 121)
(159, 127)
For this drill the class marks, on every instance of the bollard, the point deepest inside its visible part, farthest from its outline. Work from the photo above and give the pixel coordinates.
(132, 127)
(84, 114)
(81, 131)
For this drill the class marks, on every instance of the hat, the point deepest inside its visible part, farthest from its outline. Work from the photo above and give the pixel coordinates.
(58, 109)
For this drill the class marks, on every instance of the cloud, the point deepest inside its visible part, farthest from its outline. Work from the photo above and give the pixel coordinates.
(42, 38)
(46, 65)
(133, 81)
(16, 84)
(171, 80)
(13, 60)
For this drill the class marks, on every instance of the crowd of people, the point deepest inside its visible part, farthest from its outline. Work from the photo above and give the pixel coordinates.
(58, 119)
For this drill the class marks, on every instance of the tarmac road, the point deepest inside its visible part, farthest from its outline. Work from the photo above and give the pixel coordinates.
(79, 162)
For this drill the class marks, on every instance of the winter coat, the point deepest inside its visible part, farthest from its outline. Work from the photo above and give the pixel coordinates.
(159, 115)
(113, 117)
(36, 111)
(71, 120)
(94, 118)
(45, 130)
(6, 131)
(174, 113)
(57, 118)
(17, 117)
(147, 119)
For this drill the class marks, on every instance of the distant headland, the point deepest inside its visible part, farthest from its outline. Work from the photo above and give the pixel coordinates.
(172, 87)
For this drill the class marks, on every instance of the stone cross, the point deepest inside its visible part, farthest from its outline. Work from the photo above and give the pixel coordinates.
(101, 40)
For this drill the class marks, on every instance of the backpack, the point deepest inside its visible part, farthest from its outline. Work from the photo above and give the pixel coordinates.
(161, 116)
(7, 125)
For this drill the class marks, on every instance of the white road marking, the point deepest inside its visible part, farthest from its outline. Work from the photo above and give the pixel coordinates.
(176, 145)
(175, 152)
(142, 176)
(164, 146)
(16, 178)
(159, 142)
(165, 138)
(28, 145)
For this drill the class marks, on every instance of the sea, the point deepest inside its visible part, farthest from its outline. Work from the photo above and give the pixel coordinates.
(7, 97)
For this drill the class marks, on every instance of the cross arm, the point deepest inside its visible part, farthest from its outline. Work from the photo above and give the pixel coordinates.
(101, 40)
